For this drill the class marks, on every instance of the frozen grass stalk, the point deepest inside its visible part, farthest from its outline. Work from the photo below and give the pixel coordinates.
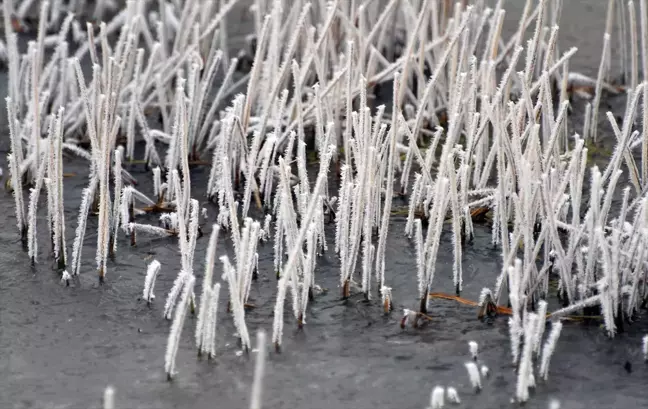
(209, 345)
(484, 371)
(474, 349)
(453, 396)
(259, 370)
(176, 329)
(437, 397)
(109, 398)
(149, 282)
(599, 86)
(549, 347)
(525, 369)
(210, 259)
(473, 375)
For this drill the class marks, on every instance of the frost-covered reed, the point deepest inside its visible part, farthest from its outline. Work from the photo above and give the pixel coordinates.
(176, 328)
(474, 349)
(437, 397)
(109, 398)
(237, 287)
(473, 375)
(525, 369)
(453, 395)
(149, 282)
(549, 347)
(203, 324)
(259, 370)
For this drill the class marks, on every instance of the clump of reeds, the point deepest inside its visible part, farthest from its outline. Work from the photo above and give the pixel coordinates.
(470, 138)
